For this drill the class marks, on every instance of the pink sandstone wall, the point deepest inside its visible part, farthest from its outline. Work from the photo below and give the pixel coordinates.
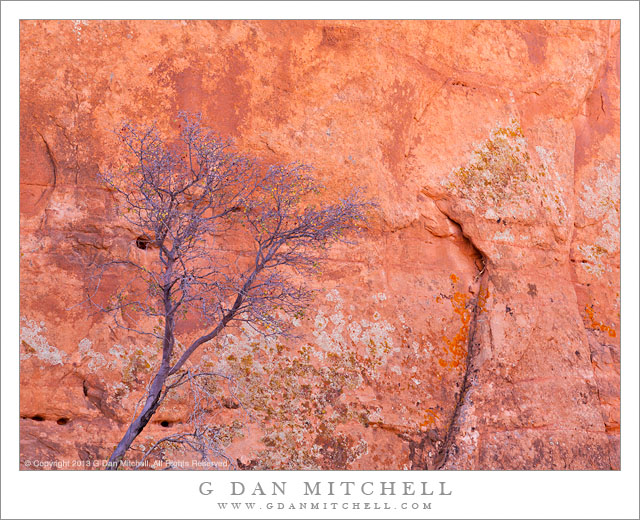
(483, 302)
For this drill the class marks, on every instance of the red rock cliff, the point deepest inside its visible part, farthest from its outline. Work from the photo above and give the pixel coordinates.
(483, 302)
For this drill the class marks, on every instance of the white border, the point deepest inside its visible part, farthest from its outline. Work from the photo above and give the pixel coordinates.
(174, 495)
(323, 10)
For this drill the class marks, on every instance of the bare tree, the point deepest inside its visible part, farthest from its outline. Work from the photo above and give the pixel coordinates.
(186, 198)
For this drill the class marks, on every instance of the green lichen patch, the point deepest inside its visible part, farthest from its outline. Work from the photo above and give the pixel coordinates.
(498, 171)
(303, 402)
(303, 396)
(503, 183)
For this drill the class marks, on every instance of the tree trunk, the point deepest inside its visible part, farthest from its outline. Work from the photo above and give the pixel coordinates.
(139, 423)
(155, 392)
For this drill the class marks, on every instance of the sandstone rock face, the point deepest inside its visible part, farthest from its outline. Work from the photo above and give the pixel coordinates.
(474, 325)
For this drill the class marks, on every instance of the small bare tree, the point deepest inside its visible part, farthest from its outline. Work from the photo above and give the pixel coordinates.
(186, 198)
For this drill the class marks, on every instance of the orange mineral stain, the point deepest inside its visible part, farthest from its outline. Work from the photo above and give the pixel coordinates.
(597, 325)
(457, 346)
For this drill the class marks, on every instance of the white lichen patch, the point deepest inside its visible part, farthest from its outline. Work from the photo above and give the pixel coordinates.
(546, 156)
(601, 202)
(77, 28)
(329, 331)
(337, 319)
(96, 359)
(66, 208)
(552, 194)
(118, 352)
(609, 240)
(375, 416)
(354, 330)
(396, 370)
(604, 197)
(593, 256)
(504, 236)
(320, 322)
(34, 343)
(334, 296)
(490, 214)
(378, 333)
(379, 297)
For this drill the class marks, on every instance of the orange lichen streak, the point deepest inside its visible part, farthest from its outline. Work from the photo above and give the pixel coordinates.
(430, 418)
(457, 346)
(597, 325)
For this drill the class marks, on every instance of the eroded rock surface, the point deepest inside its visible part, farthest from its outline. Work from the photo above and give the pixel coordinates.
(482, 303)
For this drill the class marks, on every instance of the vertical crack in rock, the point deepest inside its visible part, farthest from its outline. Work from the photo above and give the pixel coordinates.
(54, 168)
(54, 165)
(467, 382)
(480, 280)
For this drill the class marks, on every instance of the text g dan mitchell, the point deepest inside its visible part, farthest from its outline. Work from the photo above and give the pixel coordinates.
(327, 488)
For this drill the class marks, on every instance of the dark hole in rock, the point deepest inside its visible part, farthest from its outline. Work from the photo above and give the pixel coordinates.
(62, 421)
(142, 242)
(37, 418)
(165, 424)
